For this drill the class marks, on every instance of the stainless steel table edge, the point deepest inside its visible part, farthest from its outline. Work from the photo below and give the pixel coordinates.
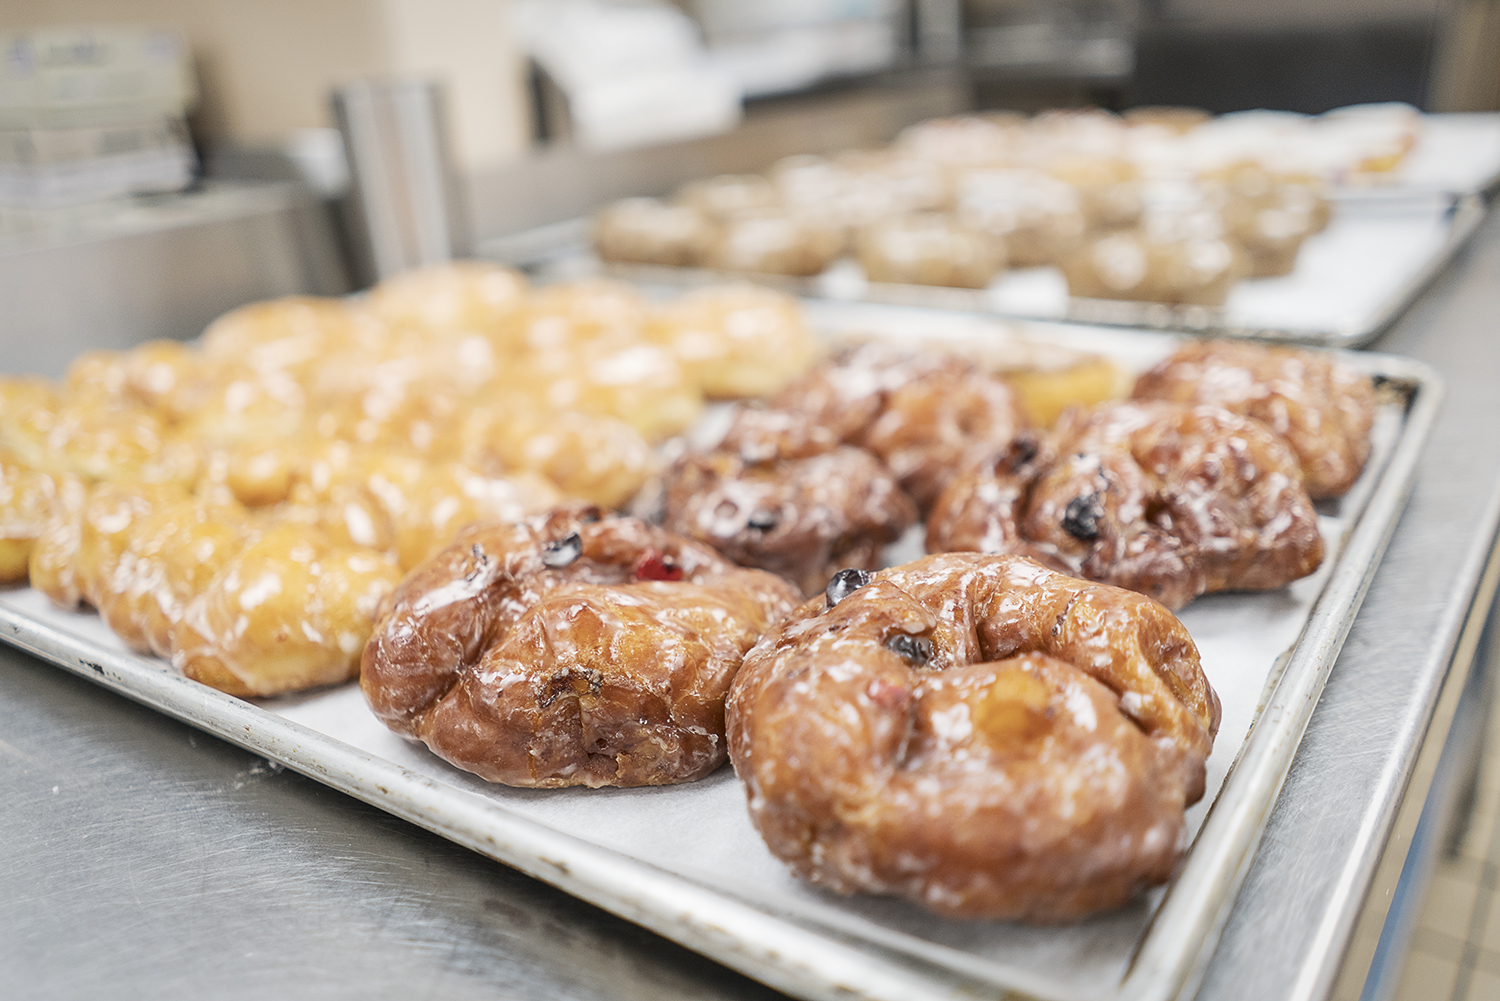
(696, 917)
(1469, 607)
(1359, 747)
(810, 957)
(1204, 889)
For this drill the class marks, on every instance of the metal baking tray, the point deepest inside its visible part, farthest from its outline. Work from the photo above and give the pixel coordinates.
(684, 860)
(1350, 283)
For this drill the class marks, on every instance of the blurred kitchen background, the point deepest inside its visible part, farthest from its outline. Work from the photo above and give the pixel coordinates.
(164, 160)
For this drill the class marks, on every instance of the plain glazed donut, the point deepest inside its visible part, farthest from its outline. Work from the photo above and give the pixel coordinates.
(651, 231)
(978, 734)
(570, 649)
(929, 248)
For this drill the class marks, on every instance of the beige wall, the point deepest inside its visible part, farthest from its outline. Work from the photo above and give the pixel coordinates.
(467, 43)
(266, 66)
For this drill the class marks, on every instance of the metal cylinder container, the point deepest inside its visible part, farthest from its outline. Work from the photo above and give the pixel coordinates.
(406, 208)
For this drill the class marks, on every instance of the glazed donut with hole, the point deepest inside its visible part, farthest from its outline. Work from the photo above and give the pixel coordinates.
(978, 734)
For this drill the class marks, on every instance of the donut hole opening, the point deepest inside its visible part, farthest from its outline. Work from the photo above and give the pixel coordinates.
(971, 420)
(1022, 449)
(1159, 512)
(1016, 708)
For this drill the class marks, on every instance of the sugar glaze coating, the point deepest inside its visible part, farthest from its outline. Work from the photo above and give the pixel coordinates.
(569, 649)
(978, 734)
(1170, 500)
(1323, 409)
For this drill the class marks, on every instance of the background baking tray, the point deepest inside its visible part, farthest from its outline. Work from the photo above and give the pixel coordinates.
(1351, 281)
(684, 860)
(1457, 154)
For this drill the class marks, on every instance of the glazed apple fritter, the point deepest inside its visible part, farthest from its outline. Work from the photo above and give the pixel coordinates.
(978, 734)
(927, 415)
(1323, 409)
(1170, 500)
(574, 648)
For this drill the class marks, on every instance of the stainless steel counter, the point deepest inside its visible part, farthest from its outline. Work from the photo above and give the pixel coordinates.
(141, 858)
(1360, 765)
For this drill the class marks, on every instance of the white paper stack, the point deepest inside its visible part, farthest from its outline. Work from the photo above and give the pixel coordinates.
(634, 74)
(776, 46)
(91, 113)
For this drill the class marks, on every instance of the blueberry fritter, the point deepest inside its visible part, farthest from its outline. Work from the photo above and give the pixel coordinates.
(1170, 500)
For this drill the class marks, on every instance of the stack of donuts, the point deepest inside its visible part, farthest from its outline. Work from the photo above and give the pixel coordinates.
(1158, 205)
(242, 505)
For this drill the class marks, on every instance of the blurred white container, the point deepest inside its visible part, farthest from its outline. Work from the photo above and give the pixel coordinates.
(776, 46)
(722, 20)
(633, 74)
(789, 59)
(62, 77)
